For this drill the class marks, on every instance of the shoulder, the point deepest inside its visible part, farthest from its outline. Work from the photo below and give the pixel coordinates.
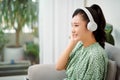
(97, 52)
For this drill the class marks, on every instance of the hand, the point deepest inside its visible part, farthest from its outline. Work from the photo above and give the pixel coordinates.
(74, 39)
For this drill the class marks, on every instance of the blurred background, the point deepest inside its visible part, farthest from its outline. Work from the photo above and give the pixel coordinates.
(37, 31)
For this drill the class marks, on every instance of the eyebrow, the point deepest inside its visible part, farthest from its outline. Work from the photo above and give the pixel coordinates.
(74, 22)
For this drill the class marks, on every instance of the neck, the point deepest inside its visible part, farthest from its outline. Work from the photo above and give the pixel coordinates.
(89, 40)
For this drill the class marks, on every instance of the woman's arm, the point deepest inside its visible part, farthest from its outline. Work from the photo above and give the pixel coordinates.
(63, 59)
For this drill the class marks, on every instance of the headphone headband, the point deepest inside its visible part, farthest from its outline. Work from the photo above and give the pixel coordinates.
(92, 26)
(88, 14)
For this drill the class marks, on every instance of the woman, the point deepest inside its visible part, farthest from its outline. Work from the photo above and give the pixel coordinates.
(85, 58)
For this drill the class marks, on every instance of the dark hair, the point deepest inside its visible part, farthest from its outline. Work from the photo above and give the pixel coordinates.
(98, 17)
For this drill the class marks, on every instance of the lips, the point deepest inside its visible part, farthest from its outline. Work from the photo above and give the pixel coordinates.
(75, 35)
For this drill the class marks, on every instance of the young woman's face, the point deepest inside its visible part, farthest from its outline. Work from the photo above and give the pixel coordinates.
(78, 27)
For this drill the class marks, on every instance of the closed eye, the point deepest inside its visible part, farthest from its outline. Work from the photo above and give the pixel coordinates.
(76, 25)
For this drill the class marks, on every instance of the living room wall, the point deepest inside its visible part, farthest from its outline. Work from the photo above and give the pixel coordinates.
(111, 11)
(54, 27)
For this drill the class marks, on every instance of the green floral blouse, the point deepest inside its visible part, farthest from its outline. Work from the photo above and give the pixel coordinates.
(87, 63)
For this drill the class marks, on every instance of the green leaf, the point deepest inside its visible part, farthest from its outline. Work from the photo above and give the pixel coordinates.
(20, 11)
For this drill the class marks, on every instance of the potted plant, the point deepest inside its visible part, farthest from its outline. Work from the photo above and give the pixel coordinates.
(3, 41)
(32, 52)
(15, 14)
(108, 31)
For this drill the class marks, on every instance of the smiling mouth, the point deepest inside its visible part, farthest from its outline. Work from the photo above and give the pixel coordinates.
(74, 35)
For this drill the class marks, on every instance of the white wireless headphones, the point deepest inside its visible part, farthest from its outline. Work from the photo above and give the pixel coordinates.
(91, 26)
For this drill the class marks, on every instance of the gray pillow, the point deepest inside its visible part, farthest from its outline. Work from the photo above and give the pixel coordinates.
(113, 53)
(45, 72)
(112, 68)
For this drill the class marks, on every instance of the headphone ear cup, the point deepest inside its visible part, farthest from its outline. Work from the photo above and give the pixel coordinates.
(92, 26)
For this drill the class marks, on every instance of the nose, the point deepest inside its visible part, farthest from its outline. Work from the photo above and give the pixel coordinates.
(73, 30)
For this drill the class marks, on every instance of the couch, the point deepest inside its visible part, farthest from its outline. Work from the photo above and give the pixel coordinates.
(48, 71)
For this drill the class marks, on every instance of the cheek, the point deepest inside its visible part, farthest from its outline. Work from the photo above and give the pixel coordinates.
(80, 30)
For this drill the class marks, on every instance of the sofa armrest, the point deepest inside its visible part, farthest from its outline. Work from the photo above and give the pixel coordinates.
(45, 72)
(112, 69)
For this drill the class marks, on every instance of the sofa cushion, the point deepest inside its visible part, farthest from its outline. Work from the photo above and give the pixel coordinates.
(112, 68)
(113, 53)
(45, 72)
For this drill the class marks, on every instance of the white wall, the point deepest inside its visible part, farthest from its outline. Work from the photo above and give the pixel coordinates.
(112, 14)
(54, 27)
